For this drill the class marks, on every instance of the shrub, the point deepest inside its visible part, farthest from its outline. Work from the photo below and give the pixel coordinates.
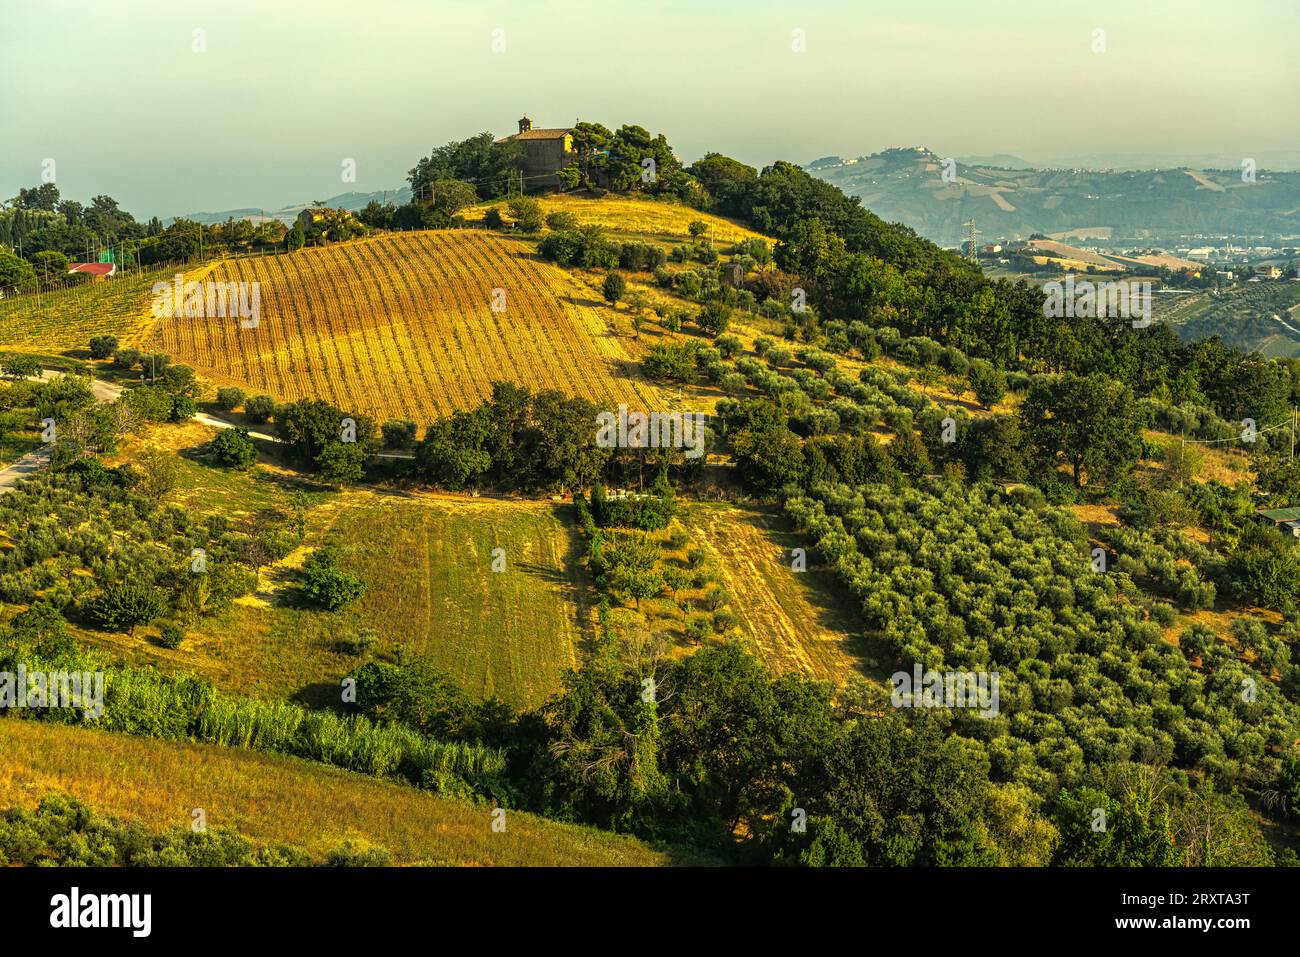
(259, 408)
(585, 246)
(728, 345)
(714, 598)
(183, 408)
(641, 257)
(698, 628)
(724, 619)
(561, 220)
(671, 362)
(325, 585)
(171, 635)
(714, 317)
(358, 854)
(233, 449)
(527, 213)
(398, 433)
(123, 606)
(102, 347)
(229, 398)
(613, 288)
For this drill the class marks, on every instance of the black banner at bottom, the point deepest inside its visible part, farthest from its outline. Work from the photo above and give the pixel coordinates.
(138, 907)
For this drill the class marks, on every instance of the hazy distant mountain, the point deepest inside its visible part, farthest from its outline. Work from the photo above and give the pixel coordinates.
(287, 214)
(1272, 159)
(907, 185)
(999, 160)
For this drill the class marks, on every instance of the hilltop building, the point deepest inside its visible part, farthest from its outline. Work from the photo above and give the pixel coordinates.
(310, 216)
(546, 152)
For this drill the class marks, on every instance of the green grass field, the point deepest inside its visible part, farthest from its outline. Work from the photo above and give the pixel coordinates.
(432, 590)
(271, 798)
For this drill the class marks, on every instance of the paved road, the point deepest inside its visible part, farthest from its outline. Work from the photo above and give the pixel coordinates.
(29, 464)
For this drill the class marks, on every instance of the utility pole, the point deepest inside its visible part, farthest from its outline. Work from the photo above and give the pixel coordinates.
(972, 233)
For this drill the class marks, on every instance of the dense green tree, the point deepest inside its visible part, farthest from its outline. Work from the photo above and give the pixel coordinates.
(1092, 424)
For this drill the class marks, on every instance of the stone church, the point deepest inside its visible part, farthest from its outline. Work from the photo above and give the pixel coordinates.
(546, 152)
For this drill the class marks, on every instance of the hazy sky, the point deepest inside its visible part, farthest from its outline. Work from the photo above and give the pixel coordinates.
(114, 92)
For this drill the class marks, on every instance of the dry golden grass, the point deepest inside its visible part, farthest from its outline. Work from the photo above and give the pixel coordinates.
(1224, 463)
(276, 799)
(636, 217)
(792, 621)
(402, 325)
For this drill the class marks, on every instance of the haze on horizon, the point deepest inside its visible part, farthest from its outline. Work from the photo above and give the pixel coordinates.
(283, 94)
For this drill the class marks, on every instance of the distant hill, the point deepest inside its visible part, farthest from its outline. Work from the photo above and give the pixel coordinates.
(287, 214)
(906, 185)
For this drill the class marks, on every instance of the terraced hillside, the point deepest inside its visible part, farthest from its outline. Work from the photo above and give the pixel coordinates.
(410, 325)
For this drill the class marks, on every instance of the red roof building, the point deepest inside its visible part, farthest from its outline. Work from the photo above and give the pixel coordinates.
(99, 270)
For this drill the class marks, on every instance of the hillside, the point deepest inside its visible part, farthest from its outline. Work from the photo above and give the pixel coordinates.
(905, 185)
(50, 322)
(404, 326)
(271, 798)
(630, 218)
(1253, 317)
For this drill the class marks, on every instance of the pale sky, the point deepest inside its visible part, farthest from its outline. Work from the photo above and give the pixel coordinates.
(114, 92)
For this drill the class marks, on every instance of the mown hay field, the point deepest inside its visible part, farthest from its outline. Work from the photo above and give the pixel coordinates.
(626, 217)
(402, 325)
(432, 588)
(431, 593)
(793, 621)
(272, 798)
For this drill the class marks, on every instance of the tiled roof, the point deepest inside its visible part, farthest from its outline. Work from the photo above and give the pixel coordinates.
(93, 269)
(540, 135)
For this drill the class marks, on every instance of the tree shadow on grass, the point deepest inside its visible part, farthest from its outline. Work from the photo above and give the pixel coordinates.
(321, 696)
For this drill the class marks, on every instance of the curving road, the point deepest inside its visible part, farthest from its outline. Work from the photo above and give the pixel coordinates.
(104, 392)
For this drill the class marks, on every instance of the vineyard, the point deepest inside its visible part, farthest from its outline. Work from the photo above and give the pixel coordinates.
(67, 318)
(406, 325)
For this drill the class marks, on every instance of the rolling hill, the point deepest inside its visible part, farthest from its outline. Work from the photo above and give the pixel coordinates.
(407, 325)
(275, 799)
(905, 185)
